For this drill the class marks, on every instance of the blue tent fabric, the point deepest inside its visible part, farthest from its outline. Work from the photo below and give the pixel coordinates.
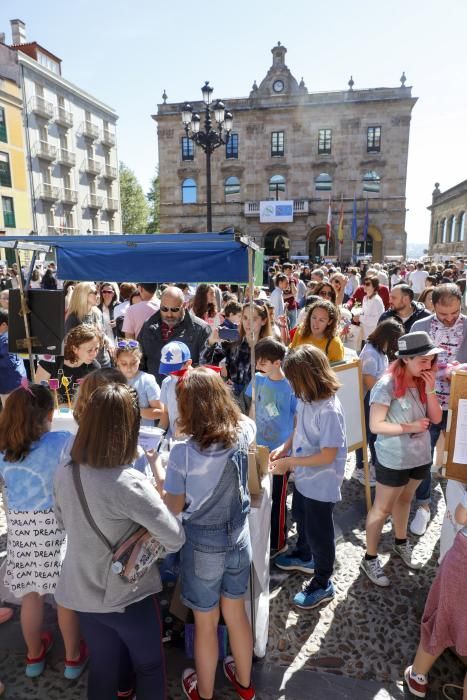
(179, 257)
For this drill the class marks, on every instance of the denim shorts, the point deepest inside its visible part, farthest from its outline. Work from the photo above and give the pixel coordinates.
(400, 477)
(208, 571)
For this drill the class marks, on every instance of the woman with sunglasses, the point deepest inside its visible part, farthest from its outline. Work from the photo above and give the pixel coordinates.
(326, 291)
(372, 306)
(83, 309)
(108, 302)
(338, 281)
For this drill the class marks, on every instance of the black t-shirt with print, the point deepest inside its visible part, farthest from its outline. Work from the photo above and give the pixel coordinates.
(58, 369)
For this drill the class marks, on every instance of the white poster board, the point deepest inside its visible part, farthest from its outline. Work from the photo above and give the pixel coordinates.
(350, 395)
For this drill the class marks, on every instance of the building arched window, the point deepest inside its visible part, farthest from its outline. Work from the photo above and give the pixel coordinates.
(189, 191)
(371, 181)
(444, 226)
(460, 227)
(435, 232)
(277, 184)
(451, 229)
(323, 182)
(231, 185)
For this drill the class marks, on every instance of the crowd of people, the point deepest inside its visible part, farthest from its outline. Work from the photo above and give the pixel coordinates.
(180, 357)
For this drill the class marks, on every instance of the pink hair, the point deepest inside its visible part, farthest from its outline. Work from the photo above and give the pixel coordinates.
(399, 372)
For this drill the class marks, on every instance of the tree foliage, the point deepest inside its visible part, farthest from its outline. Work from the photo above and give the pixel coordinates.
(153, 197)
(135, 208)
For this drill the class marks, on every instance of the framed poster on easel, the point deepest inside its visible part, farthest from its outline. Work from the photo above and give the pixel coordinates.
(455, 449)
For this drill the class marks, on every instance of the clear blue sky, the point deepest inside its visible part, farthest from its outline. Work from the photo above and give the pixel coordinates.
(126, 53)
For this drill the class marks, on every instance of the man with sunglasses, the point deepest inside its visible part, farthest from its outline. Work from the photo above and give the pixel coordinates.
(137, 314)
(171, 322)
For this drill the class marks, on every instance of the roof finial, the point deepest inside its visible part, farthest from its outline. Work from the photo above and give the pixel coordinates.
(351, 83)
(403, 79)
(255, 86)
(164, 97)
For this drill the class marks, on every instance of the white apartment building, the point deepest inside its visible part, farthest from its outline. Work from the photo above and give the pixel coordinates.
(71, 147)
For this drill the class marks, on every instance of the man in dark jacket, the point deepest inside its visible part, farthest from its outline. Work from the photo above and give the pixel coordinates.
(171, 322)
(403, 307)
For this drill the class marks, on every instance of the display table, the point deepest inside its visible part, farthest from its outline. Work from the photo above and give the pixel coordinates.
(257, 602)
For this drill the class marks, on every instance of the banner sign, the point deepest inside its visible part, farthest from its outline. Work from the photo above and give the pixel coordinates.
(275, 212)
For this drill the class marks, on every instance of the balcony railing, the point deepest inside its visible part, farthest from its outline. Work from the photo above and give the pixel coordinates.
(110, 204)
(45, 151)
(89, 131)
(47, 192)
(91, 166)
(300, 208)
(109, 172)
(108, 138)
(93, 201)
(64, 117)
(66, 157)
(42, 107)
(68, 196)
(59, 231)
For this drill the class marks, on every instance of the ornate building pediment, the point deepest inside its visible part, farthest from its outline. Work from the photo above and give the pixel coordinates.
(279, 80)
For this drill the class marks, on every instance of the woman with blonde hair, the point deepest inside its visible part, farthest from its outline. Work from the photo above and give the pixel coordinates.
(83, 309)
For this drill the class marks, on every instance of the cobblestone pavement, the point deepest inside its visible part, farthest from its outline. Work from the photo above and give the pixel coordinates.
(365, 634)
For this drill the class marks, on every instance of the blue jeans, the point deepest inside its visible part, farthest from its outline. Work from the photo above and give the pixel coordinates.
(370, 437)
(123, 644)
(423, 493)
(315, 527)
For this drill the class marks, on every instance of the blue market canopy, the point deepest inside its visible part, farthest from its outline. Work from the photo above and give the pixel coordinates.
(176, 257)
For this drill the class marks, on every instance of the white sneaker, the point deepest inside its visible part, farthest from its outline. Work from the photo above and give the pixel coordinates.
(420, 522)
(374, 571)
(359, 474)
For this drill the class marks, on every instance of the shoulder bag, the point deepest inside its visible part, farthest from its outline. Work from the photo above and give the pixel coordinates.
(133, 557)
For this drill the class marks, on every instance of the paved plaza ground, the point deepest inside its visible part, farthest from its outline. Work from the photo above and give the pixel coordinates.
(355, 647)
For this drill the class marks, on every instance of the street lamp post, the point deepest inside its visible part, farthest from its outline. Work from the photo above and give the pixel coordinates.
(211, 138)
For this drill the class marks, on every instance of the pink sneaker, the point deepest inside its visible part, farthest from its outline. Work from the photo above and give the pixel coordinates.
(229, 671)
(190, 684)
(416, 683)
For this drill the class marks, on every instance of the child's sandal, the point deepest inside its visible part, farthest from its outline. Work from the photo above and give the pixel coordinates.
(35, 667)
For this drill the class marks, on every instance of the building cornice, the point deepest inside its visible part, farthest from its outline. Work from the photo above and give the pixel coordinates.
(287, 102)
(36, 67)
(448, 195)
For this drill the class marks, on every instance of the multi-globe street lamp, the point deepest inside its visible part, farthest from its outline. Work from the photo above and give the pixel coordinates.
(217, 128)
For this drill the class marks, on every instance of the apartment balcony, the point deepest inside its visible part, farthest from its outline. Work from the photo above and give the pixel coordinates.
(59, 231)
(66, 157)
(41, 107)
(91, 166)
(110, 204)
(93, 201)
(300, 208)
(108, 138)
(68, 196)
(45, 151)
(47, 192)
(64, 117)
(89, 131)
(109, 172)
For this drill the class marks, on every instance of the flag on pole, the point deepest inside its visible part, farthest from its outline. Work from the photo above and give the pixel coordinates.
(353, 231)
(340, 228)
(365, 225)
(329, 222)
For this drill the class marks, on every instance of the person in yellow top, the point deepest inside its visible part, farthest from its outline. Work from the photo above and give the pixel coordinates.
(320, 329)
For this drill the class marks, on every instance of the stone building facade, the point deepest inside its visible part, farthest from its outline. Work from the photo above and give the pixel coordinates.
(71, 145)
(447, 229)
(291, 144)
